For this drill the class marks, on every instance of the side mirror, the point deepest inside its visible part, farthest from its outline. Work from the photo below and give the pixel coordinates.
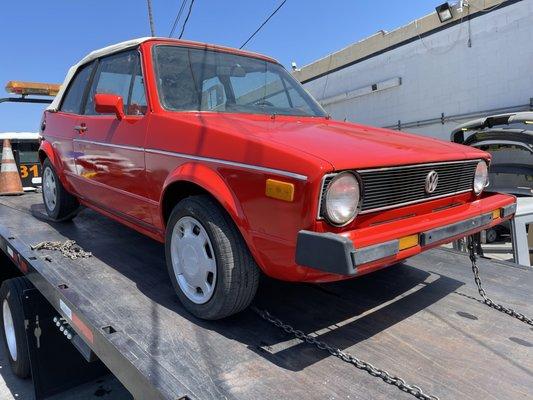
(105, 103)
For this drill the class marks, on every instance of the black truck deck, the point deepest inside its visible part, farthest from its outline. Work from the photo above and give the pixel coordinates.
(413, 320)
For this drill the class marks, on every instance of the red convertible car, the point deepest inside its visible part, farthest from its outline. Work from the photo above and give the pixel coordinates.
(224, 157)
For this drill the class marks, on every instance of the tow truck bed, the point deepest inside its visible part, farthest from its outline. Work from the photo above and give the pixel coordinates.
(412, 320)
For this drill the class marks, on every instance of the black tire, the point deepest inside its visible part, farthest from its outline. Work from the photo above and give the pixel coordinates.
(237, 275)
(11, 292)
(66, 205)
(491, 235)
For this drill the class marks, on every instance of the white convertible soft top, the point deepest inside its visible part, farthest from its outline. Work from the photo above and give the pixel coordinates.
(89, 57)
(122, 46)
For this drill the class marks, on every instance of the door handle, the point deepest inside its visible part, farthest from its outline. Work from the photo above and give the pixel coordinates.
(80, 128)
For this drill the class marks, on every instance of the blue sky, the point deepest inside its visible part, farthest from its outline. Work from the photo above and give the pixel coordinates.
(41, 39)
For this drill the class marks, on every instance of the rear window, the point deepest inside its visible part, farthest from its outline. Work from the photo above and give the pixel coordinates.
(74, 95)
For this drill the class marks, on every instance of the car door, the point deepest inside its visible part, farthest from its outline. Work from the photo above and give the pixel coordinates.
(61, 125)
(110, 152)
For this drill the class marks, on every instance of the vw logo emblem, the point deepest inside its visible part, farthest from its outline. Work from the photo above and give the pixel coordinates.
(432, 180)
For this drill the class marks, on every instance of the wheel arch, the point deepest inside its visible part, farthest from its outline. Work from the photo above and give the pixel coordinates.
(195, 179)
(46, 151)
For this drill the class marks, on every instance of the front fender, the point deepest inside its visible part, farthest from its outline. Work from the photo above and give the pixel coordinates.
(212, 182)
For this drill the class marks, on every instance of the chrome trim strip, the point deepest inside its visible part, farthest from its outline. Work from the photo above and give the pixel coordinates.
(231, 163)
(364, 171)
(414, 201)
(320, 195)
(119, 146)
(199, 158)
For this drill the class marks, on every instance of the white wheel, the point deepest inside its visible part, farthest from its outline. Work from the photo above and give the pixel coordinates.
(60, 205)
(193, 260)
(49, 189)
(14, 332)
(9, 330)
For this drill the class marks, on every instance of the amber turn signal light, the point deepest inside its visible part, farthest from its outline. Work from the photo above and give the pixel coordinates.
(279, 190)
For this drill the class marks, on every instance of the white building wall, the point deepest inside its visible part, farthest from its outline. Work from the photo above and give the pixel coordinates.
(441, 74)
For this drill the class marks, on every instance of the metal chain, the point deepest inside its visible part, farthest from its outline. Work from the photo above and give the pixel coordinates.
(485, 299)
(346, 357)
(69, 249)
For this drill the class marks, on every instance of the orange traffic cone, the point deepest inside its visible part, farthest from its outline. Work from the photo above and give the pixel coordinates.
(10, 183)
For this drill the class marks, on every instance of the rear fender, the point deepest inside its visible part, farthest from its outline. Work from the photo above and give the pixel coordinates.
(47, 151)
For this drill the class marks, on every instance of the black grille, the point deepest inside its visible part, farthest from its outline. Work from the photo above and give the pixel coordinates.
(392, 187)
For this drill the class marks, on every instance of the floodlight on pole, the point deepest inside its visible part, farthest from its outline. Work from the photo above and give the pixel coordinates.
(444, 12)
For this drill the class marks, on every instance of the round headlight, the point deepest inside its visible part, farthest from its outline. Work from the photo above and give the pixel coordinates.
(481, 178)
(342, 199)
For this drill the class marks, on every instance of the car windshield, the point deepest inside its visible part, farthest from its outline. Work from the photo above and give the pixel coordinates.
(192, 79)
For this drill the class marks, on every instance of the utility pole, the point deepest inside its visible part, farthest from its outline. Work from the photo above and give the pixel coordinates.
(151, 17)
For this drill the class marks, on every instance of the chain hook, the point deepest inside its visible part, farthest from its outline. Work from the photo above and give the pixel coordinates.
(472, 244)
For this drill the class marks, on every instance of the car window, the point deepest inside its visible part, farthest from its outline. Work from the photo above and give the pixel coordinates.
(260, 88)
(114, 76)
(213, 95)
(190, 79)
(137, 103)
(74, 95)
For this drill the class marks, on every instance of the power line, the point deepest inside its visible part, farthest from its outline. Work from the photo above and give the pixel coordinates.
(263, 24)
(178, 16)
(150, 17)
(186, 19)
(431, 50)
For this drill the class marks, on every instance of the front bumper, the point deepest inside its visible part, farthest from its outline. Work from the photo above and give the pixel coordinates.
(337, 254)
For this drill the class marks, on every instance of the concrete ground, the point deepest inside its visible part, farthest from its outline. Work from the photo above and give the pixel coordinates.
(502, 251)
(499, 251)
(13, 388)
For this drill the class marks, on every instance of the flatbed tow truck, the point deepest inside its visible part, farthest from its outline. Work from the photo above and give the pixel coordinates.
(421, 320)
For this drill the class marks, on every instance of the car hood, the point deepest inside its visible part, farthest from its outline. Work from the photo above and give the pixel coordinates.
(348, 145)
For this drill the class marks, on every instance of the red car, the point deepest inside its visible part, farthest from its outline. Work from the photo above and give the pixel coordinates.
(224, 157)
